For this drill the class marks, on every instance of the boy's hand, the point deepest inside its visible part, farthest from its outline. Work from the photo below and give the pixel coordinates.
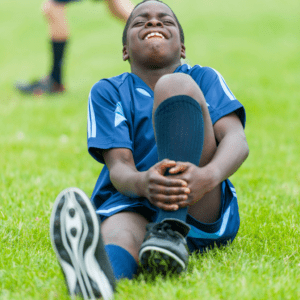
(199, 181)
(166, 192)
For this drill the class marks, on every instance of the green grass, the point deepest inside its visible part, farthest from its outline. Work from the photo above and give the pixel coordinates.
(254, 44)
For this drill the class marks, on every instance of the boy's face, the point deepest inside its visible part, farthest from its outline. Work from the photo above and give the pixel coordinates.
(153, 37)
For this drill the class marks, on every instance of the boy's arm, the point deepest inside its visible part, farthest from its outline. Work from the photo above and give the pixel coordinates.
(231, 153)
(151, 184)
(232, 149)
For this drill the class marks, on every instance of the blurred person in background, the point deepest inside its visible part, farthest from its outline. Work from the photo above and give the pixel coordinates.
(55, 13)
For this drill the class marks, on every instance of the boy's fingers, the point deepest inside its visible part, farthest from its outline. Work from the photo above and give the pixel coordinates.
(165, 165)
(172, 199)
(183, 204)
(175, 182)
(178, 169)
(174, 191)
(168, 181)
(169, 207)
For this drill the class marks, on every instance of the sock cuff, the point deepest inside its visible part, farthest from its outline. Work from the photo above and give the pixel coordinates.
(179, 129)
(172, 102)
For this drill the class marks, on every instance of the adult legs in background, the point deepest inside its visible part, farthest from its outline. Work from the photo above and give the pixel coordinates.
(55, 14)
(120, 9)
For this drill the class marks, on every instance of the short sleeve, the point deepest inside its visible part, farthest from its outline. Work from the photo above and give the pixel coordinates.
(107, 122)
(219, 98)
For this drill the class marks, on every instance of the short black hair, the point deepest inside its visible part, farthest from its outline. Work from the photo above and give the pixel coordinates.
(124, 37)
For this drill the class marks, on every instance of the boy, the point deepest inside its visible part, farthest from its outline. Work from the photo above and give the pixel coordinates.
(55, 13)
(170, 135)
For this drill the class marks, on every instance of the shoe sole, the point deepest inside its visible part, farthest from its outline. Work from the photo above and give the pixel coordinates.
(75, 237)
(159, 260)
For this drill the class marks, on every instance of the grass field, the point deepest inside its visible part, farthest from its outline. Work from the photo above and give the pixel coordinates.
(253, 44)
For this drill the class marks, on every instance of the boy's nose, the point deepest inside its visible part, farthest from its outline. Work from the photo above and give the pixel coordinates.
(154, 23)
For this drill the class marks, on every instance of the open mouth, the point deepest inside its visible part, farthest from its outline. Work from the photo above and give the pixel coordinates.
(154, 35)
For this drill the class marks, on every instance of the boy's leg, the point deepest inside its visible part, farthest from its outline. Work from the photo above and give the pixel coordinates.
(123, 234)
(207, 210)
(76, 238)
(182, 138)
(125, 229)
(179, 134)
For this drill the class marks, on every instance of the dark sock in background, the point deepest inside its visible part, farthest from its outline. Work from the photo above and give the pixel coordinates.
(58, 50)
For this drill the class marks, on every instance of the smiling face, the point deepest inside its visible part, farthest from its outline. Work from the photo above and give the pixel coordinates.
(153, 37)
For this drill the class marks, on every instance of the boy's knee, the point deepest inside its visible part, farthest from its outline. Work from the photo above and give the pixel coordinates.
(123, 238)
(176, 84)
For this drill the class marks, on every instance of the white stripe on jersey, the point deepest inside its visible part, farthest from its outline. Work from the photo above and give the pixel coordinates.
(225, 87)
(91, 119)
(143, 92)
(233, 191)
(119, 114)
(107, 211)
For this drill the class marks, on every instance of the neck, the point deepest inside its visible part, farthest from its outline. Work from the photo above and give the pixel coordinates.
(151, 76)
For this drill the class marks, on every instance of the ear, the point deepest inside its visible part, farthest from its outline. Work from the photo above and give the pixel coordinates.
(182, 53)
(125, 53)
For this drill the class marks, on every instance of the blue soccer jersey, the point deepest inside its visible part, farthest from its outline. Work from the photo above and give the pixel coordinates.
(120, 116)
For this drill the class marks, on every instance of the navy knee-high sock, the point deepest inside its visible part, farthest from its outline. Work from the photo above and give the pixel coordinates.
(122, 262)
(179, 134)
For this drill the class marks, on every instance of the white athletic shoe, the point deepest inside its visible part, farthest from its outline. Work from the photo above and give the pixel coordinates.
(76, 238)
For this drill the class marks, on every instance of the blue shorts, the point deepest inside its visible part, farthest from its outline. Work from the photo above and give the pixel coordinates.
(201, 236)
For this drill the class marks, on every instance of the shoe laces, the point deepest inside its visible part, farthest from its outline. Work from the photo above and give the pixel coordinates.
(163, 229)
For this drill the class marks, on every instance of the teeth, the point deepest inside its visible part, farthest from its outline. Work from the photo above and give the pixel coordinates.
(154, 34)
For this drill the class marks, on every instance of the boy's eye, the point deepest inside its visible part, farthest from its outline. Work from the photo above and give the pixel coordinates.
(141, 23)
(138, 23)
(168, 22)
